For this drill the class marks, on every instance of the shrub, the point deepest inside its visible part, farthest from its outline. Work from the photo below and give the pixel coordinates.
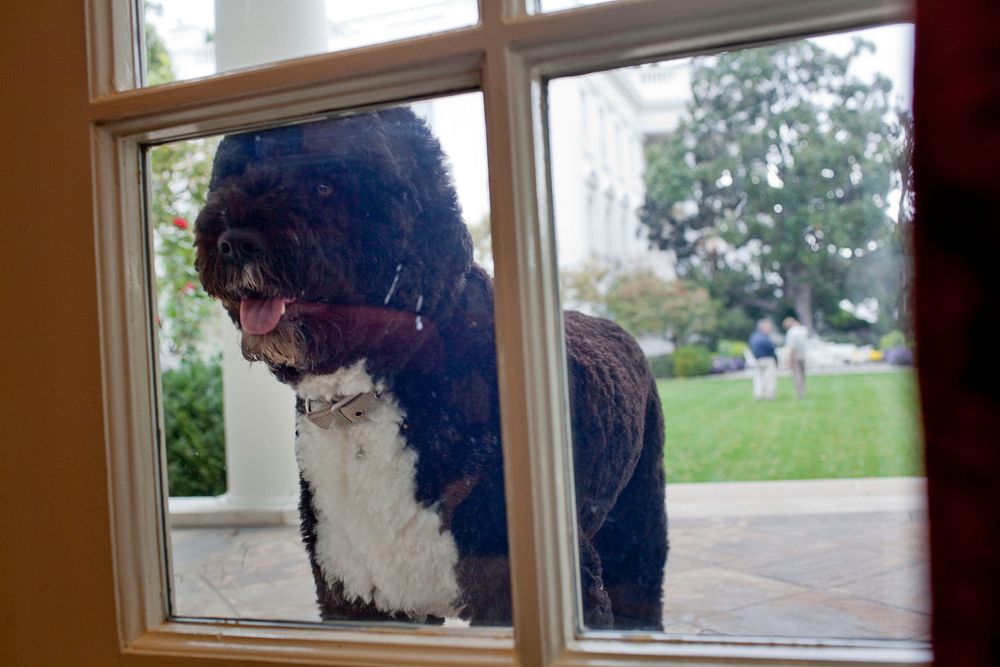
(194, 429)
(662, 365)
(894, 338)
(692, 360)
(841, 320)
(731, 348)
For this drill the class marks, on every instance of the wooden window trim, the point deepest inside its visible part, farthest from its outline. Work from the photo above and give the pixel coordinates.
(509, 55)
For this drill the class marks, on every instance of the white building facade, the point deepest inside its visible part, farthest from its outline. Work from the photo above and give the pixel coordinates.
(599, 125)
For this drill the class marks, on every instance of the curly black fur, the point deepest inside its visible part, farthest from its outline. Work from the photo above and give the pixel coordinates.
(355, 223)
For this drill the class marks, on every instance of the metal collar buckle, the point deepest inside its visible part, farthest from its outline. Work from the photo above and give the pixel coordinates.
(351, 410)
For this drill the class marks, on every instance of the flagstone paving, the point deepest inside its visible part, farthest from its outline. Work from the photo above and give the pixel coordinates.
(856, 574)
(845, 576)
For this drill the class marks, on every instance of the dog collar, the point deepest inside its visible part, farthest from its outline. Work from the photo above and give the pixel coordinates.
(342, 412)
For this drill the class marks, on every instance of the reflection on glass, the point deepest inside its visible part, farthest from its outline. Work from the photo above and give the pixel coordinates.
(560, 5)
(745, 217)
(188, 39)
(338, 252)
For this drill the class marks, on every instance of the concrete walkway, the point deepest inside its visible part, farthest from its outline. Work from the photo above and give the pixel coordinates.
(824, 558)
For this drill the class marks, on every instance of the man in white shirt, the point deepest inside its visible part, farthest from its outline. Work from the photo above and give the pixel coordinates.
(795, 341)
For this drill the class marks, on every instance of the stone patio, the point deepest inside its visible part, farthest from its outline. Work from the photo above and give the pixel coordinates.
(825, 558)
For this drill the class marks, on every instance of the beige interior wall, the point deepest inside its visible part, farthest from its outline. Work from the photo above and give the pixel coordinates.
(56, 560)
(56, 590)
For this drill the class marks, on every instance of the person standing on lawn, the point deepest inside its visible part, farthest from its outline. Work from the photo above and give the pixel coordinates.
(765, 378)
(795, 341)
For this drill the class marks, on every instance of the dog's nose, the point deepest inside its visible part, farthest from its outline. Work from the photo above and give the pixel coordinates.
(239, 245)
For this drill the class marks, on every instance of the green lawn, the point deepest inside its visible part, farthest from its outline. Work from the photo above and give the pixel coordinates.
(847, 426)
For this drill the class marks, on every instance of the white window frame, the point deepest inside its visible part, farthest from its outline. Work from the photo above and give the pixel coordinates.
(509, 55)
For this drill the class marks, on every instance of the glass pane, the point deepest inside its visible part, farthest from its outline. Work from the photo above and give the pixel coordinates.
(745, 218)
(338, 256)
(187, 39)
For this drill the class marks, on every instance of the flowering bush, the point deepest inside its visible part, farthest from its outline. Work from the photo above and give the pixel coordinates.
(728, 364)
(899, 356)
(179, 178)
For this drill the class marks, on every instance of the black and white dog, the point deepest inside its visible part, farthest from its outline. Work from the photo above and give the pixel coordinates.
(338, 248)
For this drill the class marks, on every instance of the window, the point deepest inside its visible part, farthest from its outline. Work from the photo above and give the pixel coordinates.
(510, 57)
(209, 38)
(233, 463)
(710, 246)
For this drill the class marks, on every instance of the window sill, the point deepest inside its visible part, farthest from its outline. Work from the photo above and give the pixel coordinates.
(296, 644)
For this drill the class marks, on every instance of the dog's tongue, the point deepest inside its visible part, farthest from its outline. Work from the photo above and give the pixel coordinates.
(259, 316)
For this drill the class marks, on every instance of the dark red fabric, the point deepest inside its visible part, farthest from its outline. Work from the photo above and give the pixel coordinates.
(957, 236)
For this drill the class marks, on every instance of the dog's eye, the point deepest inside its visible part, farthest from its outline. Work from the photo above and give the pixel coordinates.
(323, 190)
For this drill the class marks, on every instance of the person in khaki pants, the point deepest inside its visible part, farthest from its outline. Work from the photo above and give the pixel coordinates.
(765, 378)
(795, 341)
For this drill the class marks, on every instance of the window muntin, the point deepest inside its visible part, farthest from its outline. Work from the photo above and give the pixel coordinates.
(190, 39)
(774, 561)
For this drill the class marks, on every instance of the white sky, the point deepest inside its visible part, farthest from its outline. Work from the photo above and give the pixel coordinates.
(893, 56)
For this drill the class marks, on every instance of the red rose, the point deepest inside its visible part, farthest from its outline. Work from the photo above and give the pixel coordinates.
(180, 223)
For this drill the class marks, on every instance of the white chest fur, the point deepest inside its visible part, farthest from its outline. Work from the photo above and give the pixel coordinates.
(371, 533)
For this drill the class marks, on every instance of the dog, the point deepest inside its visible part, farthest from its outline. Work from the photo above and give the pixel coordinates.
(338, 248)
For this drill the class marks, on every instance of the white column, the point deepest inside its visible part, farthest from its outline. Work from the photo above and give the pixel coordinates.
(262, 477)
(254, 32)
(260, 436)
(259, 411)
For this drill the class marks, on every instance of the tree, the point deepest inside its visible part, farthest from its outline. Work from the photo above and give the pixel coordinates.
(777, 182)
(641, 302)
(482, 243)
(886, 274)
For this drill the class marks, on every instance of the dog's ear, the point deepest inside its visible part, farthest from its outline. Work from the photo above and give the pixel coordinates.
(476, 299)
(432, 235)
(429, 190)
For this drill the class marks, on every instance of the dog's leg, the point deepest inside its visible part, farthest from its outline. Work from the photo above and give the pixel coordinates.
(596, 604)
(333, 606)
(632, 543)
(485, 584)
